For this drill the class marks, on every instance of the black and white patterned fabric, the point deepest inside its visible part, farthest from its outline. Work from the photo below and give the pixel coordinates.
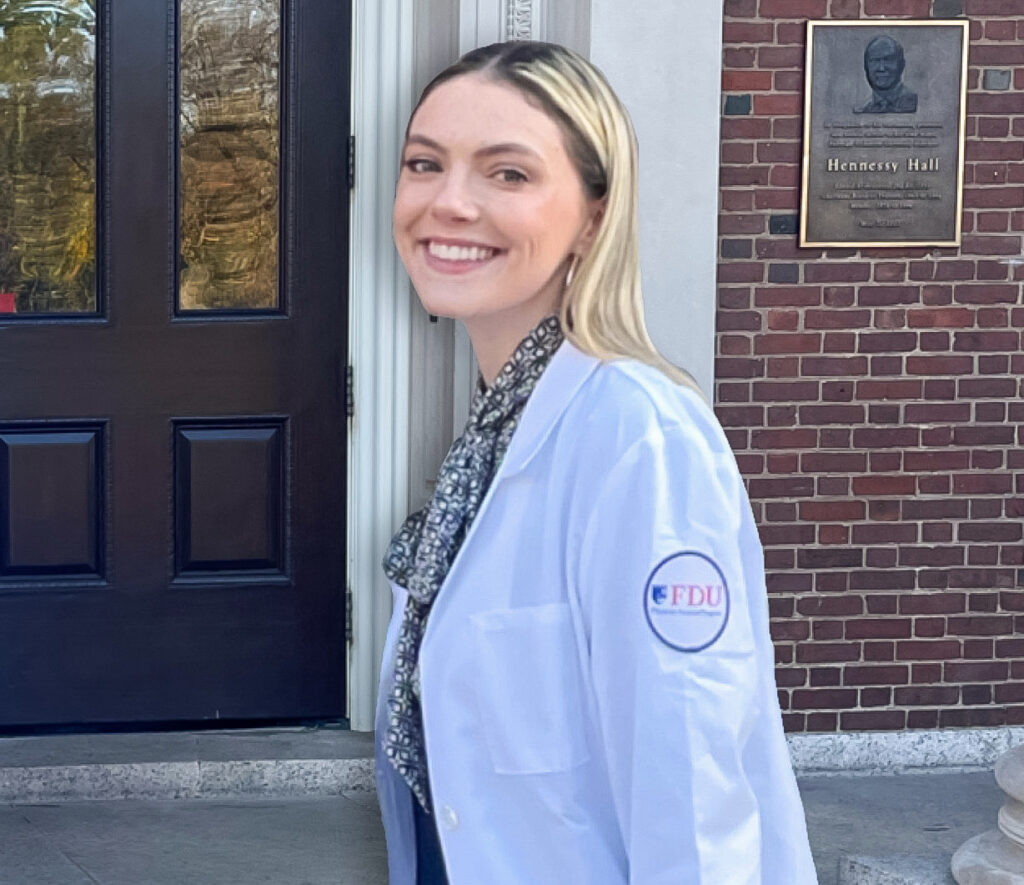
(424, 548)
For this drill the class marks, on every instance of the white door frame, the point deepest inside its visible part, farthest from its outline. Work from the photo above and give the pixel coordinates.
(382, 80)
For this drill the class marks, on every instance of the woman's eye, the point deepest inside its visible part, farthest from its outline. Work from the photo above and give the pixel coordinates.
(419, 165)
(511, 176)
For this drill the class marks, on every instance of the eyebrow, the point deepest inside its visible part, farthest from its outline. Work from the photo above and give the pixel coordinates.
(504, 147)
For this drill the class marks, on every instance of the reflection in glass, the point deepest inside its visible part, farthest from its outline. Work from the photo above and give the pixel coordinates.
(229, 153)
(47, 157)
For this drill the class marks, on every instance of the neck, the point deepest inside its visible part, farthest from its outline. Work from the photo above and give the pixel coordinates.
(496, 337)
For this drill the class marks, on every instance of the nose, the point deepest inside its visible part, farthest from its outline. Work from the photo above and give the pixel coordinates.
(454, 199)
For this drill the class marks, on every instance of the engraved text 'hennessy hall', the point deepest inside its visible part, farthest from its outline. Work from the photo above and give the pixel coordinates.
(911, 164)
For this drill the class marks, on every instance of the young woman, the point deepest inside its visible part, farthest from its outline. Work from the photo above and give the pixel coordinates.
(578, 680)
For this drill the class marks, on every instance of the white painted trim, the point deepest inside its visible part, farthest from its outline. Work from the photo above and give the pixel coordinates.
(901, 752)
(490, 21)
(379, 334)
(480, 23)
(524, 19)
(464, 374)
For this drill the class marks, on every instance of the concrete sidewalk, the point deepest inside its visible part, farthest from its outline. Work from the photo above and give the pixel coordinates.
(306, 817)
(194, 842)
(910, 822)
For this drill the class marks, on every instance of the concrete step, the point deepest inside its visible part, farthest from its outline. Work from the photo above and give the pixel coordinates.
(253, 763)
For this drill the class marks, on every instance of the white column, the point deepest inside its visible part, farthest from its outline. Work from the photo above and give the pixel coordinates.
(665, 63)
(382, 64)
(997, 857)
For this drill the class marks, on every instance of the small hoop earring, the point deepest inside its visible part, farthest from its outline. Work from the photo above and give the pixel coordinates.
(572, 270)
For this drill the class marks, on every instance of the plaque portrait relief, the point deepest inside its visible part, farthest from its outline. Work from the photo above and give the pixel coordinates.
(884, 62)
(884, 118)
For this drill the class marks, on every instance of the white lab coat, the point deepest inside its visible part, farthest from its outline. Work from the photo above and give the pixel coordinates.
(570, 735)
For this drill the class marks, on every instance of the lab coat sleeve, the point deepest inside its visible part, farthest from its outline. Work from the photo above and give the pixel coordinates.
(674, 698)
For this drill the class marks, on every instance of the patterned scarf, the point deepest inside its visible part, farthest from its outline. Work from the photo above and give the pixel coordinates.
(422, 552)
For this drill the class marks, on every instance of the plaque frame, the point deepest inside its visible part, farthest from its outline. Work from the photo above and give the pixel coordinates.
(961, 28)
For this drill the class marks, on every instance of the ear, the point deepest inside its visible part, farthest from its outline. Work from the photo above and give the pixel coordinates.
(595, 215)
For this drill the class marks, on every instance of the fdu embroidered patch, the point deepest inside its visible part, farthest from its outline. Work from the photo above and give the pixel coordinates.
(686, 601)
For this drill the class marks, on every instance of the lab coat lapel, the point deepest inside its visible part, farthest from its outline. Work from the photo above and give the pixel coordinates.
(563, 377)
(568, 370)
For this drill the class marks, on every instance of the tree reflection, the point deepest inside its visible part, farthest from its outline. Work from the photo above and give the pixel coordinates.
(229, 69)
(229, 153)
(47, 156)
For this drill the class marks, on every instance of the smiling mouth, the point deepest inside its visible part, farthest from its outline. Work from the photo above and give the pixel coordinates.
(448, 252)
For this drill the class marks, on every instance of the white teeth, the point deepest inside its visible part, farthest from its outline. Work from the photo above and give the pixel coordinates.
(459, 253)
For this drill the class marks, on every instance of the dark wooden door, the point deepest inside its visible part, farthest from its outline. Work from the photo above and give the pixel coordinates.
(172, 406)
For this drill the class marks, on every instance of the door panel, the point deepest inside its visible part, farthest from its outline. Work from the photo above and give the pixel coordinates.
(53, 515)
(230, 498)
(172, 482)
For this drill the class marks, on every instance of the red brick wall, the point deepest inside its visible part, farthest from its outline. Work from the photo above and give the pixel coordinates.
(874, 399)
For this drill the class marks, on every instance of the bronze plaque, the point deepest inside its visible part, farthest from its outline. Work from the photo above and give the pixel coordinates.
(884, 116)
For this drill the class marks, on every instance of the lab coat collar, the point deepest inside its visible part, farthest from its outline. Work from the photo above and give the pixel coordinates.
(563, 377)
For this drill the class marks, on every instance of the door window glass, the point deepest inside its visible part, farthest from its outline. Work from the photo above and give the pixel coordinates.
(47, 157)
(229, 154)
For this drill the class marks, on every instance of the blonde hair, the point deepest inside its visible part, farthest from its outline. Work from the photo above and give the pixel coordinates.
(602, 309)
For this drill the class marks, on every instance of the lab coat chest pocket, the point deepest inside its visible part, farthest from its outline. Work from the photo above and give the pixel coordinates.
(530, 689)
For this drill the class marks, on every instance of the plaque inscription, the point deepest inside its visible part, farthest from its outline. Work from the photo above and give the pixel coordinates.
(884, 120)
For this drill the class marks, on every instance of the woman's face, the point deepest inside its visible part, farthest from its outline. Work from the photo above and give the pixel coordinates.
(489, 206)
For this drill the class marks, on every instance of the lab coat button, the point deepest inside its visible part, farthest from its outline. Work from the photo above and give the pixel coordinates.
(449, 819)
